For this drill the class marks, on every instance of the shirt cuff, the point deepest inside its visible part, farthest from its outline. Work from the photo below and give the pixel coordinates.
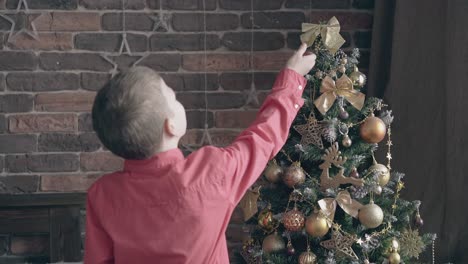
(291, 84)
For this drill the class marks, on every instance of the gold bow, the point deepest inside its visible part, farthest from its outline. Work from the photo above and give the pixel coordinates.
(330, 33)
(344, 88)
(344, 200)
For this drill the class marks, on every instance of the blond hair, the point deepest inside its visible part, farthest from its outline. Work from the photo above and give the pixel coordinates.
(129, 112)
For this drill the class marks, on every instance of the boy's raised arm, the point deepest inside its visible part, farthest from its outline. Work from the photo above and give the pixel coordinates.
(247, 156)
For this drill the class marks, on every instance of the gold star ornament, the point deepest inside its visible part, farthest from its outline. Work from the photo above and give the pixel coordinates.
(311, 132)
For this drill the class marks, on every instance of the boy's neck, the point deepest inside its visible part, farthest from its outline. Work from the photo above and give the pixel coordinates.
(167, 145)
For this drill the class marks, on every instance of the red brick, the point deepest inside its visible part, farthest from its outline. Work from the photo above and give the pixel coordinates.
(53, 61)
(17, 61)
(112, 4)
(277, 20)
(16, 103)
(46, 41)
(348, 20)
(318, 4)
(20, 183)
(94, 81)
(65, 102)
(67, 182)
(214, 21)
(45, 4)
(42, 81)
(216, 62)
(68, 142)
(100, 161)
(23, 245)
(246, 5)
(52, 162)
(196, 119)
(18, 143)
(215, 100)
(124, 61)
(234, 119)
(3, 124)
(133, 21)
(183, 4)
(43, 123)
(68, 21)
(85, 122)
(271, 61)
(2, 83)
(241, 81)
(191, 81)
(183, 42)
(161, 62)
(109, 42)
(242, 41)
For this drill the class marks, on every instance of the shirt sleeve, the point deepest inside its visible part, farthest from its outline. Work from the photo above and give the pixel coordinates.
(98, 244)
(245, 159)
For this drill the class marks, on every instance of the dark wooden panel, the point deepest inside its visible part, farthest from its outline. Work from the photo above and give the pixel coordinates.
(42, 199)
(65, 235)
(25, 220)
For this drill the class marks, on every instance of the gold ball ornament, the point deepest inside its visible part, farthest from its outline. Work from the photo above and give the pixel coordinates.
(394, 258)
(343, 61)
(358, 78)
(383, 173)
(294, 175)
(293, 220)
(266, 220)
(273, 172)
(317, 225)
(273, 243)
(307, 258)
(346, 141)
(371, 215)
(373, 130)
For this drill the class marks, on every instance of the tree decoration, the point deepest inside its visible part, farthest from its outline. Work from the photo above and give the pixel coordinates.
(358, 78)
(273, 172)
(341, 242)
(371, 215)
(294, 175)
(330, 34)
(331, 90)
(381, 172)
(373, 129)
(332, 156)
(273, 244)
(311, 132)
(317, 224)
(266, 220)
(293, 220)
(411, 244)
(248, 203)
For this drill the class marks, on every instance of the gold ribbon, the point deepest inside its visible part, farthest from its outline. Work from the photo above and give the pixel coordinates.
(344, 200)
(329, 32)
(343, 87)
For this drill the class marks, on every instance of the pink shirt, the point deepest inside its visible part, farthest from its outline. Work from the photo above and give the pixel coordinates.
(171, 210)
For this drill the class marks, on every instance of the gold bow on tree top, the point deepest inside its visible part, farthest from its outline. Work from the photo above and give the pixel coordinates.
(329, 32)
(344, 200)
(344, 88)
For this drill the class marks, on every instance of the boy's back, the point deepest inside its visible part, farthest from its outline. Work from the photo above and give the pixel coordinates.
(171, 209)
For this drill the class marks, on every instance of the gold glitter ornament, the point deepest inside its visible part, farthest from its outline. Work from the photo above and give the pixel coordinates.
(294, 175)
(311, 132)
(341, 242)
(371, 215)
(394, 258)
(293, 220)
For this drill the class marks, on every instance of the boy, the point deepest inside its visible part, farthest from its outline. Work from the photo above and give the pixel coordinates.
(162, 207)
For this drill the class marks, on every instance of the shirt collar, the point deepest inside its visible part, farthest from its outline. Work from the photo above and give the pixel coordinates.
(156, 161)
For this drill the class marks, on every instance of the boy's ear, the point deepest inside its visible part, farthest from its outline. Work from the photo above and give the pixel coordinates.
(169, 127)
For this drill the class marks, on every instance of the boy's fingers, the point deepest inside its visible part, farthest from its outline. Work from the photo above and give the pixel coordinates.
(302, 49)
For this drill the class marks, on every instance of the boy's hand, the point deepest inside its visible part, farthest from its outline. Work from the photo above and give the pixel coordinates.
(301, 62)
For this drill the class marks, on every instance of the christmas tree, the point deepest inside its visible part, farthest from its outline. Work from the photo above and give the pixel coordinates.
(325, 198)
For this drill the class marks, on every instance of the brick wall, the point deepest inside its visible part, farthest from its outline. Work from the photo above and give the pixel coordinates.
(49, 77)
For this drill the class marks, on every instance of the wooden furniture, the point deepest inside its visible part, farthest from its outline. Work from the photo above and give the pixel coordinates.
(57, 214)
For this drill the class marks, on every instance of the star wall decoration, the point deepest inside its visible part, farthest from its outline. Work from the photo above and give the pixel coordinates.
(252, 97)
(21, 22)
(160, 22)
